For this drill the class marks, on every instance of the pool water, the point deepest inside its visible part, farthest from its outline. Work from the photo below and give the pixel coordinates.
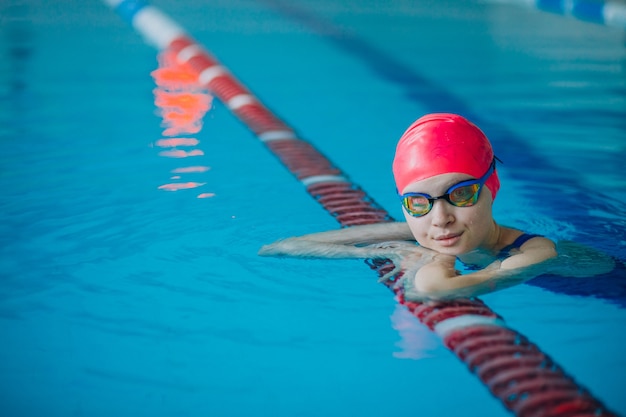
(122, 297)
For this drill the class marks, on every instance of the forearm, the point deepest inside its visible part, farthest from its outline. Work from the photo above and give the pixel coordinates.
(378, 232)
(307, 248)
(343, 243)
(439, 280)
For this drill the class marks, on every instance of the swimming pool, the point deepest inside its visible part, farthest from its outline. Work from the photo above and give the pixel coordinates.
(121, 297)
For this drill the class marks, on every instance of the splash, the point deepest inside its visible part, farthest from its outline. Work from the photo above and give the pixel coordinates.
(181, 103)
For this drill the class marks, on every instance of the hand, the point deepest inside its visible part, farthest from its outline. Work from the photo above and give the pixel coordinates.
(269, 250)
(405, 256)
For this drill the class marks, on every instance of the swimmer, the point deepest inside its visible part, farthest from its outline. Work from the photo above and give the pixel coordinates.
(445, 172)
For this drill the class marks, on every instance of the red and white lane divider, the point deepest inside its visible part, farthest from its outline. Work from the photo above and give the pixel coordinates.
(526, 381)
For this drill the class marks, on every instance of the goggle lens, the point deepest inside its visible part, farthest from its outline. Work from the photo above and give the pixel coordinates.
(417, 205)
(464, 196)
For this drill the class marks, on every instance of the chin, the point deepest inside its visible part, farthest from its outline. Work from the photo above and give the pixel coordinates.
(451, 251)
(455, 250)
(446, 250)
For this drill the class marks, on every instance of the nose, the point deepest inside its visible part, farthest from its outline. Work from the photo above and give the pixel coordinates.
(442, 213)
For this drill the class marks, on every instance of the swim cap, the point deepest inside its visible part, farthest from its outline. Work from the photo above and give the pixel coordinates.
(442, 143)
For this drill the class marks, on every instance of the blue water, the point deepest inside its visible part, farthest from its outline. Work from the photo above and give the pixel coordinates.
(119, 298)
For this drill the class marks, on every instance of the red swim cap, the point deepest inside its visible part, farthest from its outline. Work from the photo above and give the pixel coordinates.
(442, 143)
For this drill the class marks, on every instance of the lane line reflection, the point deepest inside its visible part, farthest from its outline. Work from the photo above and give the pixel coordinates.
(181, 103)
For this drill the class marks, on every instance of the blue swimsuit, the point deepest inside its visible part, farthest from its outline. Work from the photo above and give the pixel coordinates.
(517, 243)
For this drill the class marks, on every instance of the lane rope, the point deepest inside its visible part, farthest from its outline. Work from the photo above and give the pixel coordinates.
(524, 379)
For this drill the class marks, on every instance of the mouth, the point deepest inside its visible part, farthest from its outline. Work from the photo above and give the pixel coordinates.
(449, 239)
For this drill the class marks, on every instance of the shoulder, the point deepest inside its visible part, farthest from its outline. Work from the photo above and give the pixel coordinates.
(539, 249)
(523, 249)
(537, 241)
(514, 239)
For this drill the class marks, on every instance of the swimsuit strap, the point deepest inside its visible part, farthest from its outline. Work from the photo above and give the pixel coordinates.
(517, 243)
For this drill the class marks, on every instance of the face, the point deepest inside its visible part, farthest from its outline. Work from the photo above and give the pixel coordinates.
(446, 228)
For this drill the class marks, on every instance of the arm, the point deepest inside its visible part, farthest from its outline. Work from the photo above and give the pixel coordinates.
(439, 279)
(342, 243)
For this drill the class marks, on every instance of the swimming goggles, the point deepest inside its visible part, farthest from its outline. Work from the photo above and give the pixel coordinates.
(463, 194)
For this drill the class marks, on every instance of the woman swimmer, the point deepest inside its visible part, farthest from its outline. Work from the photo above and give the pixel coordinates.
(446, 156)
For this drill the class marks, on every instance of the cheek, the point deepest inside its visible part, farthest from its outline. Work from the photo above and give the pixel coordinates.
(473, 216)
(418, 226)
(482, 211)
(479, 218)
